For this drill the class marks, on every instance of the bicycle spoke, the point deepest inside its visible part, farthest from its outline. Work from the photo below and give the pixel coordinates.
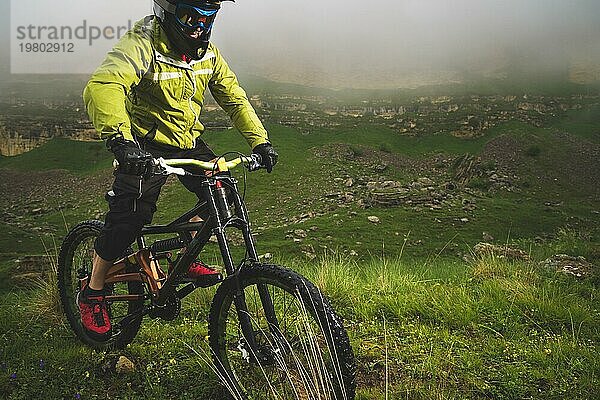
(74, 265)
(295, 343)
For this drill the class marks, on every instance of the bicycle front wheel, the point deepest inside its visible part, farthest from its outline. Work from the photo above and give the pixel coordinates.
(293, 345)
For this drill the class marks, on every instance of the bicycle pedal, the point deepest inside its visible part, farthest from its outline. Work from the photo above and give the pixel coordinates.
(205, 280)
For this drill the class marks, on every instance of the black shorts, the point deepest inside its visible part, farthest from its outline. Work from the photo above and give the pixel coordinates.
(132, 200)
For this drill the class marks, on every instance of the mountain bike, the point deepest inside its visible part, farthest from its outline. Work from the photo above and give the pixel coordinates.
(272, 333)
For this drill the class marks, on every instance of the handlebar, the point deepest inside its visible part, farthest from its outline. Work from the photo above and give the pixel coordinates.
(173, 165)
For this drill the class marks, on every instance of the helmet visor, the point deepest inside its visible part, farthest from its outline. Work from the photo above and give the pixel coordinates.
(191, 17)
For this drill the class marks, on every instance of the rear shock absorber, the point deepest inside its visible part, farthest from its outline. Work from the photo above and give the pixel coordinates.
(162, 246)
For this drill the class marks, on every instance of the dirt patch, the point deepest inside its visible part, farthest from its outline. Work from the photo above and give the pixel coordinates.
(582, 165)
(56, 186)
(505, 151)
(381, 160)
(558, 162)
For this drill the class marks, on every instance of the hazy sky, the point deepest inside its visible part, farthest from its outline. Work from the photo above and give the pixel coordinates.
(368, 41)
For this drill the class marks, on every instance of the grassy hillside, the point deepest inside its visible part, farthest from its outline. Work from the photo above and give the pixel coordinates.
(59, 153)
(314, 166)
(421, 318)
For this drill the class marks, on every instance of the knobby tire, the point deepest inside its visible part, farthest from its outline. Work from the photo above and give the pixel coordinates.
(75, 255)
(308, 355)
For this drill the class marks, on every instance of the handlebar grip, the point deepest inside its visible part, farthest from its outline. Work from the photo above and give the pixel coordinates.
(116, 162)
(256, 162)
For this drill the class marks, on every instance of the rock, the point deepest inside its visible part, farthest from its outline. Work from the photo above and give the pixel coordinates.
(388, 196)
(300, 233)
(425, 181)
(488, 249)
(450, 186)
(578, 267)
(304, 217)
(309, 251)
(416, 186)
(374, 219)
(348, 198)
(469, 206)
(349, 182)
(390, 184)
(124, 365)
(266, 256)
(487, 237)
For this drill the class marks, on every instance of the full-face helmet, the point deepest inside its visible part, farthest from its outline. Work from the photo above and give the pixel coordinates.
(188, 23)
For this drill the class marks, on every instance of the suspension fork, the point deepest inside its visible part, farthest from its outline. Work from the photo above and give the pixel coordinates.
(210, 193)
(265, 297)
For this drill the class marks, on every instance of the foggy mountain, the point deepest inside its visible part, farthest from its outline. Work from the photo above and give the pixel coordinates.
(395, 44)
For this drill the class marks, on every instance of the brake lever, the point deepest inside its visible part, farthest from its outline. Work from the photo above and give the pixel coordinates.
(167, 169)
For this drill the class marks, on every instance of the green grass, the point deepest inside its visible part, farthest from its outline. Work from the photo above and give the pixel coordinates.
(59, 153)
(584, 123)
(489, 329)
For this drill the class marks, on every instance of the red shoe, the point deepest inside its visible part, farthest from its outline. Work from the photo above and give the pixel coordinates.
(94, 316)
(199, 270)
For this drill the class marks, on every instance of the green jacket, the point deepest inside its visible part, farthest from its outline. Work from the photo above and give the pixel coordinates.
(143, 89)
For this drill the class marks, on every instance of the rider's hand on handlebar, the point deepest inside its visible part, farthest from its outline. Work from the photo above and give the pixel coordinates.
(268, 155)
(132, 160)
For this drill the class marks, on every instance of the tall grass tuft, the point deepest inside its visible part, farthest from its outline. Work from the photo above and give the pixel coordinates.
(303, 363)
(45, 299)
(337, 276)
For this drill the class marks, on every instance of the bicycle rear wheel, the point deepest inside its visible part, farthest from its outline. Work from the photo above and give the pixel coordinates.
(304, 353)
(75, 263)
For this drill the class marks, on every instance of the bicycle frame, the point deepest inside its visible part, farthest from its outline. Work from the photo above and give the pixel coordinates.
(218, 192)
(245, 335)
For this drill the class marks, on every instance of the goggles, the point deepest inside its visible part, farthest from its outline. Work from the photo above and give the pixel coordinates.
(191, 17)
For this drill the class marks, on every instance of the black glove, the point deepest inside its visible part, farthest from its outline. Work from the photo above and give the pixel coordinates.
(268, 154)
(132, 160)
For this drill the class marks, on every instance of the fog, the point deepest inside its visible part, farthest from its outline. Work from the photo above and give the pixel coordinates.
(371, 42)
(347, 43)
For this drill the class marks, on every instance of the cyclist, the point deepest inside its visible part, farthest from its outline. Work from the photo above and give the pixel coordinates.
(145, 100)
